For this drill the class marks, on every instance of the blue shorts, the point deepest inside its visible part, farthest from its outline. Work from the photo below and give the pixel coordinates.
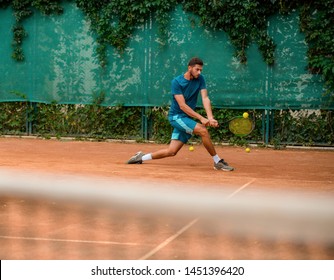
(183, 128)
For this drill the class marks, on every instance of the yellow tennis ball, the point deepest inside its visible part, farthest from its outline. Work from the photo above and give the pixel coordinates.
(245, 115)
(247, 150)
(191, 148)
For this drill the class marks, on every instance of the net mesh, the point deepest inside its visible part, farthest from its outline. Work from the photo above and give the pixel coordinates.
(68, 217)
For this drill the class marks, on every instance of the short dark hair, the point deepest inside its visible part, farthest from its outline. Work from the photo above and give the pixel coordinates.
(194, 61)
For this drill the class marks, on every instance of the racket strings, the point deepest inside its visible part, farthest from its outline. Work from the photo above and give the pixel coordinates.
(241, 126)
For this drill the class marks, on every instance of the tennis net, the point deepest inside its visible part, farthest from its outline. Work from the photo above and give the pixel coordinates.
(48, 216)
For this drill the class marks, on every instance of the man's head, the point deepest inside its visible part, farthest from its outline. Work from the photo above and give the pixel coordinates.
(195, 67)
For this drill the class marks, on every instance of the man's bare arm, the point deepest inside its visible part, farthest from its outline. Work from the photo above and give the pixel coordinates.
(208, 109)
(190, 112)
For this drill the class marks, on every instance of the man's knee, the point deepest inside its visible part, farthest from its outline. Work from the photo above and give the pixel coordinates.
(201, 130)
(171, 153)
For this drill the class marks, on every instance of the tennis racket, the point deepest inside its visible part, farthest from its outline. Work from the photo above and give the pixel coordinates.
(240, 126)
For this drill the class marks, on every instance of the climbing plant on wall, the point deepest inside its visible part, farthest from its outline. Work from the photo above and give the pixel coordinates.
(22, 9)
(245, 22)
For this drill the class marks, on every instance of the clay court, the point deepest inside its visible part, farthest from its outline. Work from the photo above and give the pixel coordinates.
(302, 170)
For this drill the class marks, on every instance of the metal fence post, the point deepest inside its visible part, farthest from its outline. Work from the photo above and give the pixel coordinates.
(144, 122)
(30, 117)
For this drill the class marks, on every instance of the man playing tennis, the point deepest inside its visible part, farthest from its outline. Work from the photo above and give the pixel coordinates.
(185, 90)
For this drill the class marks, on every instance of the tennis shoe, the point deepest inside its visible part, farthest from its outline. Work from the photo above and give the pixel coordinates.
(222, 165)
(136, 159)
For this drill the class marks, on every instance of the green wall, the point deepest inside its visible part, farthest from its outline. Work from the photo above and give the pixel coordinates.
(61, 65)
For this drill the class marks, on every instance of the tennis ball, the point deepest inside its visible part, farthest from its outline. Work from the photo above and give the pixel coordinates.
(245, 115)
(247, 150)
(191, 148)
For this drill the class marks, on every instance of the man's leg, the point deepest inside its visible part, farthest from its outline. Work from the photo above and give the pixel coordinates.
(202, 131)
(219, 164)
(170, 151)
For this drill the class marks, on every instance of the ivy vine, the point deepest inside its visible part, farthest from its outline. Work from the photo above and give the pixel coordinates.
(114, 21)
(245, 22)
(22, 9)
(317, 22)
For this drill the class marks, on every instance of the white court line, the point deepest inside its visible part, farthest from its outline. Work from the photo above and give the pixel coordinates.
(187, 226)
(241, 188)
(68, 240)
(168, 240)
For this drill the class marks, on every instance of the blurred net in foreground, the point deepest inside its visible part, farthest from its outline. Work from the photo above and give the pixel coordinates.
(68, 217)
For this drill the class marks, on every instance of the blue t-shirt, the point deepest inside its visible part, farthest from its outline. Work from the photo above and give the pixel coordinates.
(190, 90)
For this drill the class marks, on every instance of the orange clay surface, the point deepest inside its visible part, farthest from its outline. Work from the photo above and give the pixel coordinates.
(304, 170)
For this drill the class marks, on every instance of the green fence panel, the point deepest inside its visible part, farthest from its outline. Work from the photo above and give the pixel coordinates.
(61, 65)
(290, 84)
(230, 84)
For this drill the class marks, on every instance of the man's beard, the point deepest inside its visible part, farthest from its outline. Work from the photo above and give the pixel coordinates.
(192, 76)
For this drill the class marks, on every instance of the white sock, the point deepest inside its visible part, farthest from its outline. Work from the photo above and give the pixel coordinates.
(216, 158)
(146, 157)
